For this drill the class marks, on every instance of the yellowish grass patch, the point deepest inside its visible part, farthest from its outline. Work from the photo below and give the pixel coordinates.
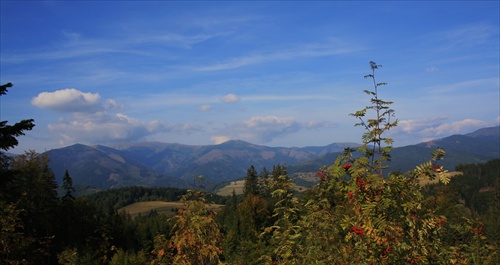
(168, 208)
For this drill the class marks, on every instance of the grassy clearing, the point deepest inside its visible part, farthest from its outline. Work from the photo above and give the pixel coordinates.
(426, 181)
(238, 185)
(168, 208)
(227, 190)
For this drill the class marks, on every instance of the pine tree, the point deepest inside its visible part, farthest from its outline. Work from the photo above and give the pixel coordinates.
(67, 186)
(251, 186)
(8, 133)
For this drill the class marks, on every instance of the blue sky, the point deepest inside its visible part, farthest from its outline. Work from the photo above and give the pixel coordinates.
(271, 73)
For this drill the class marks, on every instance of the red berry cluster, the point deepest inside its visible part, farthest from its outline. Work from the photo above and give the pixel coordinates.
(415, 260)
(321, 174)
(439, 222)
(347, 166)
(358, 230)
(350, 194)
(477, 230)
(437, 168)
(360, 182)
(386, 251)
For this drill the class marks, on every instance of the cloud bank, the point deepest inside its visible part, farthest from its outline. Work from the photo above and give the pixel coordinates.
(90, 119)
(433, 128)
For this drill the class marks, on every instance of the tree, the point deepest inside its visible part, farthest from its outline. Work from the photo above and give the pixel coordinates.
(34, 190)
(196, 239)
(376, 126)
(8, 133)
(14, 244)
(67, 186)
(251, 183)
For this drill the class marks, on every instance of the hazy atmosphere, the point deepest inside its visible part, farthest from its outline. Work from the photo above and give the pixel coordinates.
(270, 73)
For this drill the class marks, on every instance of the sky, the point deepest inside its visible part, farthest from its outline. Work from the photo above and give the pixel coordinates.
(270, 73)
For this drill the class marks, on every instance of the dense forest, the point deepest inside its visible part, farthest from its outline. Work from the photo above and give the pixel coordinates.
(358, 213)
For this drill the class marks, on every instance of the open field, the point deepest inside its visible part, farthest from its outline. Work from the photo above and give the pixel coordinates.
(238, 185)
(425, 181)
(168, 208)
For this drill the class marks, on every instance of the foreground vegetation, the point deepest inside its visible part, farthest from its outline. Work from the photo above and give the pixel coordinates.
(354, 215)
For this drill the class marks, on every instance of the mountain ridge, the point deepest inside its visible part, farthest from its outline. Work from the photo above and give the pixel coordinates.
(175, 165)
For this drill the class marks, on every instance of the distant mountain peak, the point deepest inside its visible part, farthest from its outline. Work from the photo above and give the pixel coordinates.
(490, 132)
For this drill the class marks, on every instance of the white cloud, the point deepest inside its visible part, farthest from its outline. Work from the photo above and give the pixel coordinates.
(68, 100)
(261, 122)
(411, 126)
(432, 128)
(230, 98)
(431, 69)
(457, 127)
(219, 139)
(111, 104)
(204, 108)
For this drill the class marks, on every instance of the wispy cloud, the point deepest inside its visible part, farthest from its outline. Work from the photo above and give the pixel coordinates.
(469, 85)
(470, 36)
(466, 36)
(263, 129)
(76, 45)
(230, 98)
(304, 51)
(204, 108)
(431, 69)
(288, 97)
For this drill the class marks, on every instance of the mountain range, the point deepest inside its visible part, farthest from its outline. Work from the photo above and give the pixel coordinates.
(176, 165)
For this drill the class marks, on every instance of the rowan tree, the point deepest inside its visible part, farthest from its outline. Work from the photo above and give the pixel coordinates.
(361, 214)
(196, 236)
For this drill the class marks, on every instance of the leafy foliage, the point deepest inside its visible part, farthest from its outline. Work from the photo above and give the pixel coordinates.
(196, 238)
